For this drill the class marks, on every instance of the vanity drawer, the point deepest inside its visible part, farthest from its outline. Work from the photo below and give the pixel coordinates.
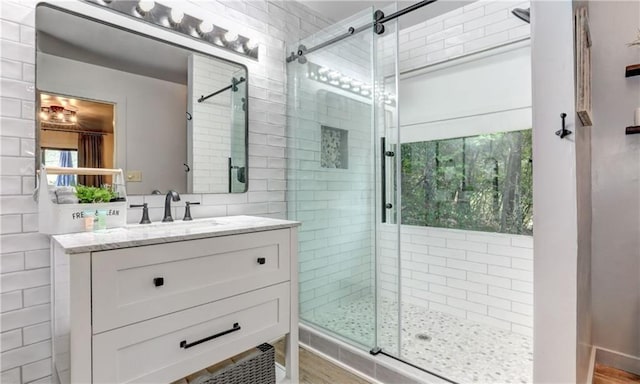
(136, 284)
(165, 349)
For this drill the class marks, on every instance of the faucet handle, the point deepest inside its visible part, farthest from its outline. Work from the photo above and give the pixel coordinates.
(187, 210)
(145, 212)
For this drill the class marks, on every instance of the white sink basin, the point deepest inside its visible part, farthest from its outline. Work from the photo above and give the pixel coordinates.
(175, 224)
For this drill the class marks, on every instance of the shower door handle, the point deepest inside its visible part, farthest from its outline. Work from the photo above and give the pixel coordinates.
(383, 178)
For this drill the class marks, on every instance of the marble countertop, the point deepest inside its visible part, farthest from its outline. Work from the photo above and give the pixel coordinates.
(158, 233)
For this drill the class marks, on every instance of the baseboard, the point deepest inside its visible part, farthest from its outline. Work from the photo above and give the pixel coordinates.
(618, 360)
(592, 365)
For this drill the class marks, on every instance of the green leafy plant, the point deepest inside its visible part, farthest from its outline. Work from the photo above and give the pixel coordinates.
(94, 194)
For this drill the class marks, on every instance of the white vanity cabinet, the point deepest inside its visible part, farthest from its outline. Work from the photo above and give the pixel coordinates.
(156, 304)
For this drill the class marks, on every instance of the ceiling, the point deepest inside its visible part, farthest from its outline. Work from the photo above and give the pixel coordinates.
(338, 10)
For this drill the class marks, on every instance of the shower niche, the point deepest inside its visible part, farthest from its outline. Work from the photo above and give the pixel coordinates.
(334, 152)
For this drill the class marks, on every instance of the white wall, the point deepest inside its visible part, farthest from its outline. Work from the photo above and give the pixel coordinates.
(485, 83)
(615, 179)
(554, 195)
(24, 258)
(147, 109)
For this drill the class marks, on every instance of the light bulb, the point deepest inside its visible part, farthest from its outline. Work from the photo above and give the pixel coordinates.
(146, 5)
(251, 44)
(323, 70)
(205, 27)
(44, 116)
(230, 37)
(60, 116)
(176, 16)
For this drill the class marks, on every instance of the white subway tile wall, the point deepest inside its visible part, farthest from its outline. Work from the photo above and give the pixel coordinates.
(471, 276)
(24, 259)
(480, 25)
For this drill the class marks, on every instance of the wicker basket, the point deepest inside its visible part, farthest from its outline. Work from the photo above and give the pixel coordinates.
(256, 366)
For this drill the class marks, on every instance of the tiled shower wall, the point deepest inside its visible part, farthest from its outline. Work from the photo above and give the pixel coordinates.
(480, 276)
(475, 27)
(24, 260)
(336, 245)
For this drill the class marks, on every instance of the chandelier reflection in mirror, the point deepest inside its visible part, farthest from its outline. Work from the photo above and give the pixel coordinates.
(173, 18)
(58, 115)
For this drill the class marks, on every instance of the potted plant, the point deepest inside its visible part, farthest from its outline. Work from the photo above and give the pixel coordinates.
(103, 194)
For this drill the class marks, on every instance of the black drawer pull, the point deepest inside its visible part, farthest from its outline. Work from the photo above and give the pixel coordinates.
(158, 281)
(185, 345)
(261, 260)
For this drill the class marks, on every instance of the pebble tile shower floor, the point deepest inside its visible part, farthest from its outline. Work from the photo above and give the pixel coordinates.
(459, 349)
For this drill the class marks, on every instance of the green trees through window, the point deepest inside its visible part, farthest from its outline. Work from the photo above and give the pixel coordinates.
(481, 183)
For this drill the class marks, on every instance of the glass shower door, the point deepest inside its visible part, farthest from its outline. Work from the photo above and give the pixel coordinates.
(458, 181)
(388, 263)
(330, 180)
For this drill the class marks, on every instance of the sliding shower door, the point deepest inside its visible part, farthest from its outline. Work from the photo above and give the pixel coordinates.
(388, 288)
(331, 180)
(462, 185)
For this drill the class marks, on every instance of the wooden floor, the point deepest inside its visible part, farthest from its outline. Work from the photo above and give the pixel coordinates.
(608, 375)
(316, 370)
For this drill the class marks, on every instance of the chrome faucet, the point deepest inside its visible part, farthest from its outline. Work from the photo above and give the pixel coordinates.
(171, 195)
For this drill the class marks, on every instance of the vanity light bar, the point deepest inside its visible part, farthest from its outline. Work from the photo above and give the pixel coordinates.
(176, 20)
(338, 80)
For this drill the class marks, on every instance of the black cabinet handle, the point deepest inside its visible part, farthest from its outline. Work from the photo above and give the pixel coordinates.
(185, 345)
(158, 281)
(261, 260)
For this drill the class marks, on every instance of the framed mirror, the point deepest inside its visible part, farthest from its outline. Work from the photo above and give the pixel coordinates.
(108, 97)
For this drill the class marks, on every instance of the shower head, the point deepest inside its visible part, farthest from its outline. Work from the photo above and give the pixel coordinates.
(522, 14)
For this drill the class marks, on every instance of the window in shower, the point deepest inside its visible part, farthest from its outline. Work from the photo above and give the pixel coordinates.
(480, 183)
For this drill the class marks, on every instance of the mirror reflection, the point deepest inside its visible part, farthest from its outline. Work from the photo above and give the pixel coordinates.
(171, 117)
